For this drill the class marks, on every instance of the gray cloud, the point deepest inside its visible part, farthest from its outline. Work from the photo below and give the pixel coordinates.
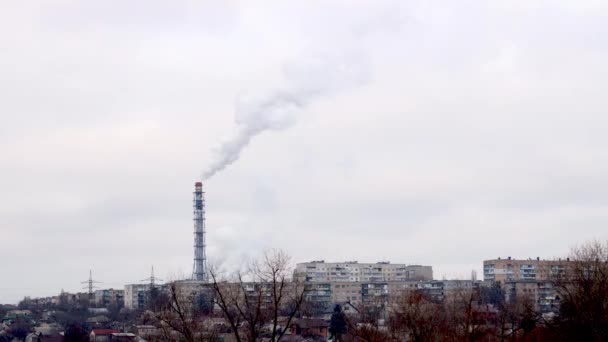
(478, 131)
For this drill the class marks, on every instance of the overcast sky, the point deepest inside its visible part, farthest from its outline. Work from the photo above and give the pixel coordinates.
(474, 129)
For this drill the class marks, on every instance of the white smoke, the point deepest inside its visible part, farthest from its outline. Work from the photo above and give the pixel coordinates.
(306, 80)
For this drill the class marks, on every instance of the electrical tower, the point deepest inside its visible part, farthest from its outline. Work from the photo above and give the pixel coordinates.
(198, 269)
(153, 291)
(90, 284)
(152, 279)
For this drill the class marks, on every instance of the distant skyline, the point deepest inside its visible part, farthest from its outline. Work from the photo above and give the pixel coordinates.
(477, 131)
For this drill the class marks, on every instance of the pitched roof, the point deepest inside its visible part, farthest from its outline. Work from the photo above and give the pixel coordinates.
(104, 331)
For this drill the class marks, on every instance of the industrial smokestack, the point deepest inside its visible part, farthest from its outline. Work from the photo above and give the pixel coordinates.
(198, 204)
(306, 80)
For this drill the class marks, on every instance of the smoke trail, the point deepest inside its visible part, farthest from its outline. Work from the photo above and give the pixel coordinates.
(305, 81)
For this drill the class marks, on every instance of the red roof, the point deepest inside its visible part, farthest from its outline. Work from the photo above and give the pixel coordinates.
(104, 331)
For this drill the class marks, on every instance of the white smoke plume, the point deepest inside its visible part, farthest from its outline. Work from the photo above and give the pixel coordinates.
(305, 81)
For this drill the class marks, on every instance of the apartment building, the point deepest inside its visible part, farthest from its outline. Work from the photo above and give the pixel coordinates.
(321, 297)
(437, 290)
(503, 270)
(542, 294)
(375, 294)
(353, 284)
(109, 297)
(353, 271)
(135, 296)
(318, 298)
(191, 288)
(345, 292)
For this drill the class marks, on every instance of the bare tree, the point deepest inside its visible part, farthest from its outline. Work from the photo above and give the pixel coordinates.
(176, 312)
(363, 326)
(414, 317)
(226, 297)
(260, 296)
(515, 318)
(463, 321)
(583, 289)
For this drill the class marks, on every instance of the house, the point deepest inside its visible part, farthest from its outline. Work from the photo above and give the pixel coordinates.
(99, 311)
(102, 335)
(309, 327)
(44, 337)
(146, 331)
(99, 321)
(123, 337)
(14, 315)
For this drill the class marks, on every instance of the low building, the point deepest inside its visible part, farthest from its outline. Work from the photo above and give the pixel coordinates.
(98, 311)
(102, 335)
(13, 315)
(40, 337)
(99, 321)
(147, 331)
(123, 337)
(309, 328)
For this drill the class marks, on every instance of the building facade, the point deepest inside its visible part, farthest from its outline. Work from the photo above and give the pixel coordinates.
(353, 271)
(531, 280)
(542, 294)
(353, 284)
(504, 270)
(109, 297)
(135, 296)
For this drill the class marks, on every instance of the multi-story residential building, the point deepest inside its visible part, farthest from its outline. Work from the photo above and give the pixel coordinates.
(353, 284)
(109, 297)
(345, 292)
(190, 288)
(503, 270)
(378, 295)
(542, 294)
(318, 298)
(353, 271)
(437, 290)
(530, 280)
(135, 296)
(375, 294)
